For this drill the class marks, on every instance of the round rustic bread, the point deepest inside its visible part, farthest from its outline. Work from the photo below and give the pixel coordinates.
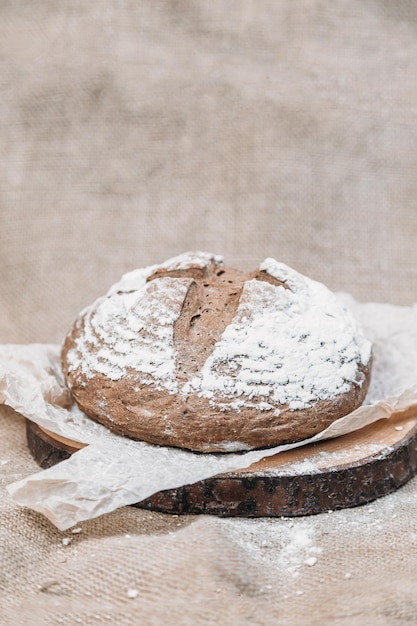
(193, 354)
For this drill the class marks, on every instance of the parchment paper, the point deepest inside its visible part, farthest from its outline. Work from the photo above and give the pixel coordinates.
(113, 471)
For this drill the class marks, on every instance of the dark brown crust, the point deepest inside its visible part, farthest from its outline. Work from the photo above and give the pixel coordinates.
(192, 424)
(189, 421)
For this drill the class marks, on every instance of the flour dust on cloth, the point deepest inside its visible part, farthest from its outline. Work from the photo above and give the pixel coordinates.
(112, 471)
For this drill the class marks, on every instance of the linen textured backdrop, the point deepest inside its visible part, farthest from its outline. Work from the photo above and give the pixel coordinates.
(133, 130)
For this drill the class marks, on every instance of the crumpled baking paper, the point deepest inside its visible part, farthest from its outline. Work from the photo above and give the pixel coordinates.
(112, 471)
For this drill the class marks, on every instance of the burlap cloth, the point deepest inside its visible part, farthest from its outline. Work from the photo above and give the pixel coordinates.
(131, 131)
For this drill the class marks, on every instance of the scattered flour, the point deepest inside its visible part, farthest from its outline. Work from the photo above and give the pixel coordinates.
(329, 460)
(282, 546)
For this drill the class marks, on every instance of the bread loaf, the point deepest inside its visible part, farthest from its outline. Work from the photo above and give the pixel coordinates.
(193, 354)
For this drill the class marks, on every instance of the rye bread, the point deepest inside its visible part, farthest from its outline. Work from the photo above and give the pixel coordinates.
(196, 355)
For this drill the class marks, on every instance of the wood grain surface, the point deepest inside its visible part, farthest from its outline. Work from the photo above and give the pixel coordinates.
(338, 473)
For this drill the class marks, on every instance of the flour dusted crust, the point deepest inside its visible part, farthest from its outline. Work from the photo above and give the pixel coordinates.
(193, 354)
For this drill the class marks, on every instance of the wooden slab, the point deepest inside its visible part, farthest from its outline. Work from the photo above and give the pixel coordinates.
(335, 474)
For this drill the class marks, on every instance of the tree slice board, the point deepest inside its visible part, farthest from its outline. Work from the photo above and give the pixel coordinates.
(348, 471)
